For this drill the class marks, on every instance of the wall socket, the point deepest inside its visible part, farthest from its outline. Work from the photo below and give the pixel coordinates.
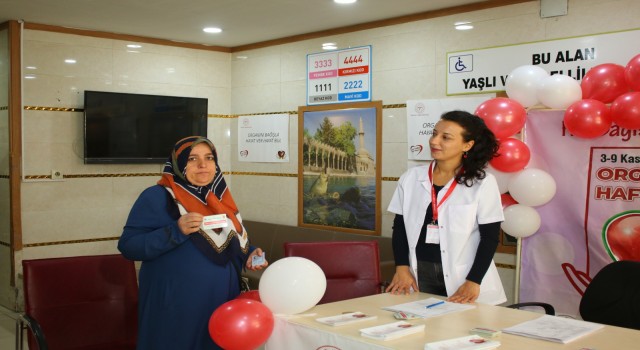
(56, 175)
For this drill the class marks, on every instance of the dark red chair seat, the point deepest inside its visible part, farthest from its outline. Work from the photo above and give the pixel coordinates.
(352, 268)
(85, 302)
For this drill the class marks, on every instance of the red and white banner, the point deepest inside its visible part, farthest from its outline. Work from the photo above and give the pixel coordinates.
(594, 217)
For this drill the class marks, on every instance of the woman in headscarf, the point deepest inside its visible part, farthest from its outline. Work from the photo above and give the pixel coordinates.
(190, 265)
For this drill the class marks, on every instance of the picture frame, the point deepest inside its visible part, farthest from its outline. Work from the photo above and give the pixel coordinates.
(339, 167)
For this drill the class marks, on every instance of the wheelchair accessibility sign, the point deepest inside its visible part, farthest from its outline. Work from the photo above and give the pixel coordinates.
(460, 64)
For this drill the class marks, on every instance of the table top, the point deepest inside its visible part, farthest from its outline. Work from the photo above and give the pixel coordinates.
(455, 325)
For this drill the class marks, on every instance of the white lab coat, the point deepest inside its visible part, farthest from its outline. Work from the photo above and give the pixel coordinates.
(459, 217)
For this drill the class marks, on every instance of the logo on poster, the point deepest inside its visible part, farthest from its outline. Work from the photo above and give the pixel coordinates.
(417, 149)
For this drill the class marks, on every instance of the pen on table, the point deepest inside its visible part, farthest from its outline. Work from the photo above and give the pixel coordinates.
(434, 304)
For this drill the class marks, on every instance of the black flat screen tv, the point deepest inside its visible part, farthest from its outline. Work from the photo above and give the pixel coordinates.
(122, 128)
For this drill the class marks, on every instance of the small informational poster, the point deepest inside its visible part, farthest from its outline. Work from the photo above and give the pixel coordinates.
(263, 138)
(339, 76)
(422, 116)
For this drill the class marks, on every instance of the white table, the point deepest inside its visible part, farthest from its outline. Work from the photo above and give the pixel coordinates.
(302, 332)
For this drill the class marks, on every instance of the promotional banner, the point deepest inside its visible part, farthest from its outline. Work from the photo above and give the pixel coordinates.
(422, 116)
(263, 138)
(594, 217)
(486, 70)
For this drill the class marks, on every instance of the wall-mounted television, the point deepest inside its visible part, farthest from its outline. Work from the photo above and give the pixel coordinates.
(122, 128)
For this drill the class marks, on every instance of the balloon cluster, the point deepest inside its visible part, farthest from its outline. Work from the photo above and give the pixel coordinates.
(521, 188)
(604, 84)
(288, 286)
(520, 192)
(586, 115)
(526, 187)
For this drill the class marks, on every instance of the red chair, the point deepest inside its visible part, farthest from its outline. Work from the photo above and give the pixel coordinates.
(352, 268)
(85, 302)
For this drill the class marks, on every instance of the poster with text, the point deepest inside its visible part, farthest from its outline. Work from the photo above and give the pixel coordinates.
(422, 116)
(594, 217)
(263, 138)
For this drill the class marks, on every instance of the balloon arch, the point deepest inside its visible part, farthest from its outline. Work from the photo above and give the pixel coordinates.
(608, 94)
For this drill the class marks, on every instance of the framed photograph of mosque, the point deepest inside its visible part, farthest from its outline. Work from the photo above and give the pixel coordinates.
(339, 167)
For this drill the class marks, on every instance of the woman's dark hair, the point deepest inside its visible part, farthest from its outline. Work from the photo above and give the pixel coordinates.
(485, 146)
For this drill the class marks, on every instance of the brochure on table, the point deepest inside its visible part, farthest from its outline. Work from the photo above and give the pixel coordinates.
(346, 318)
(470, 342)
(554, 328)
(391, 331)
(430, 307)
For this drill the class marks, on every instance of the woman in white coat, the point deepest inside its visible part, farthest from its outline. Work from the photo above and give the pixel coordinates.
(448, 216)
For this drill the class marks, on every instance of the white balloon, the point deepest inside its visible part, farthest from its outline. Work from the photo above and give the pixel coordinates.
(532, 187)
(522, 84)
(520, 221)
(292, 285)
(502, 178)
(559, 91)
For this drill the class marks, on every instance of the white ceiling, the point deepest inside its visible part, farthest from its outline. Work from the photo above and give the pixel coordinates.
(243, 21)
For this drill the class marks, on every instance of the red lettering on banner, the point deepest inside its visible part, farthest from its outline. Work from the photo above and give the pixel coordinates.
(609, 193)
(354, 70)
(618, 174)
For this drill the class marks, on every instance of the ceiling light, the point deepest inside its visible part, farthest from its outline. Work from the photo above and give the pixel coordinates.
(242, 57)
(344, 1)
(212, 30)
(30, 67)
(329, 46)
(463, 25)
(134, 46)
(70, 61)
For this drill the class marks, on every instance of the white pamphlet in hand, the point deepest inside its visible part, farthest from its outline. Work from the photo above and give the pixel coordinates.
(346, 318)
(470, 342)
(211, 222)
(391, 331)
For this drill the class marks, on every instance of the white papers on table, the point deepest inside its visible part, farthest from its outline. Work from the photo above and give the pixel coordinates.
(553, 328)
(419, 307)
(470, 342)
(346, 318)
(391, 331)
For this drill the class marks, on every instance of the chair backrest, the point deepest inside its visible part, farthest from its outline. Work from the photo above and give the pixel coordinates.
(613, 296)
(352, 268)
(83, 302)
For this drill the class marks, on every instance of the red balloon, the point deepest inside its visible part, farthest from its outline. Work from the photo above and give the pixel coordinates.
(241, 324)
(604, 83)
(507, 200)
(625, 110)
(503, 116)
(252, 295)
(514, 156)
(587, 118)
(632, 73)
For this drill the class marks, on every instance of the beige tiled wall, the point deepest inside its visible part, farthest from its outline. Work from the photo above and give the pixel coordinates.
(408, 63)
(90, 209)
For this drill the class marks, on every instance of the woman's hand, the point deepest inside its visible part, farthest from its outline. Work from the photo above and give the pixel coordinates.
(190, 222)
(467, 293)
(256, 252)
(402, 281)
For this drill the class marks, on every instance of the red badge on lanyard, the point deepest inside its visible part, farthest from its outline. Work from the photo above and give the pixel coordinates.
(433, 235)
